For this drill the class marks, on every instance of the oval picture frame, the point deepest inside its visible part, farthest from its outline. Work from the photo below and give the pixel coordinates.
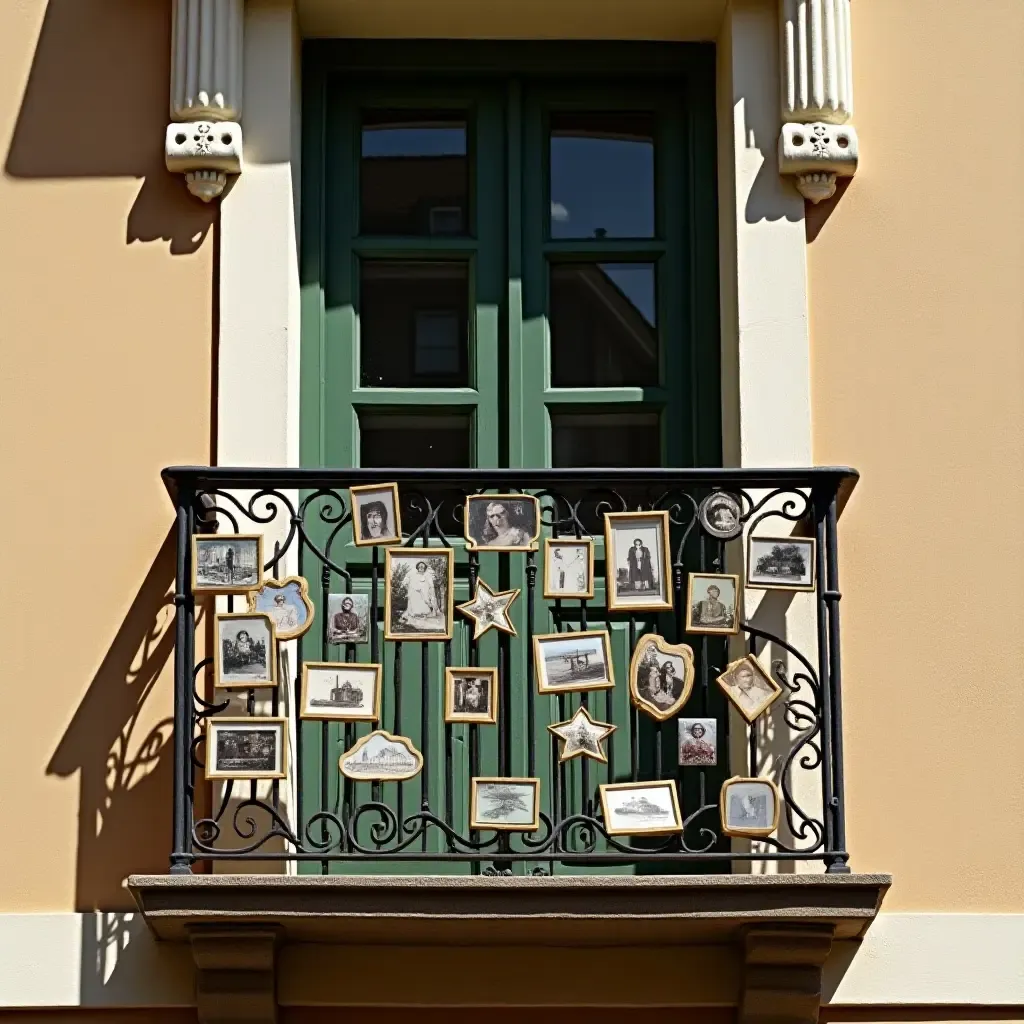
(714, 529)
(656, 711)
(283, 584)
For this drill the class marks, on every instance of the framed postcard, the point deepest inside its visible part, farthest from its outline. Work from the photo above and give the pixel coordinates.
(641, 808)
(698, 741)
(489, 610)
(569, 567)
(340, 692)
(660, 676)
(781, 563)
(227, 563)
(471, 695)
(501, 522)
(719, 514)
(244, 654)
(246, 748)
(573, 661)
(638, 561)
(749, 807)
(348, 618)
(419, 594)
(381, 757)
(287, 603)
(507, 805)
(749, 687)
(376, 515)
(712, 603)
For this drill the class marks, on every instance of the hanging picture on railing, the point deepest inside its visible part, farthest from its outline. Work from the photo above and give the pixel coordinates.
(489, 610)
(712, 603)
(501, 522)
(719, 514)
(507, 805)
(638, 561)
(660, 676)
(418, 594)
(781, 563)
(340, 692)
(244, 654)
(569, 568)
(641, 808)
(246, 748)
(573, 661)
(698, 741)
(471, 695)
(749, 807)
(287, 603)
(749, 687)
(381, 757)
(376, 516)
(230, 563)
(582, 736)
(348, 618)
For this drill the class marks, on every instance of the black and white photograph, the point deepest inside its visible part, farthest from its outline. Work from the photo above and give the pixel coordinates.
(749, 807)
(227, 563)
(348, 618)
(376, 515)
(698, 742)
(641, 808)
(288, 605)
(244, 656)
(711, 604)
(660, 676)
(246, 748)
(573, 661)
(569, 568)
(418, 594)
(501, 522)
(582, 736)
(345, 693)
(638, 560)
(749, 687)
(381, 757)
(489, 609)
(719, 514)
(509, 805)
(781, 563)
(471, 695)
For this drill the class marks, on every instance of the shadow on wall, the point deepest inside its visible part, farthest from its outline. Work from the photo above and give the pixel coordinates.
(96, 105)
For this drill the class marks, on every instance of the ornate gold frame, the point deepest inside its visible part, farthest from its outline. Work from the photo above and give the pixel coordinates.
(477, 631)
(402, 741)
(490, 825)
(214, 721)
(614, 604)
(450, 715)
(303, 593)
(418, 553)
(342, 716)
(683, 651)
(748, 833)
(562, 758)
(218, 653)
(550, 542)
(471, 544)
(357, 523)
(776, 689)
(209, 538)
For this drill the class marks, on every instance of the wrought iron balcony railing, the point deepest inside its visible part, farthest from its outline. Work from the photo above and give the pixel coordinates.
(331, 823)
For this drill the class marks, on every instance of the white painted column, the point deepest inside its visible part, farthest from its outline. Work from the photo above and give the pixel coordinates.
(817, 143)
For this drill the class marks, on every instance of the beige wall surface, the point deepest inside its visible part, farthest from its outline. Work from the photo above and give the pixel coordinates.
(106, 275)
(917, 325)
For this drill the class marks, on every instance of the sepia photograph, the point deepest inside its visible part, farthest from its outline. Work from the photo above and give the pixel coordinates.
(376, 515)
(638, 561)
(246, 748)
(489, 609)
(582, 736)
(573, 661)
(227, 563)
(348, 618)
(287, 603)
(568, 568)
(344, 693)
(641, 808)
(749, 807)
(660, 676)
(509, 805)
(712, 604)
(418, 594)
(501, 522)
(381, 757)
(781, 563)
(749, 687)
(471, 695)
(719, 514)
(244, 655)
(698, 741)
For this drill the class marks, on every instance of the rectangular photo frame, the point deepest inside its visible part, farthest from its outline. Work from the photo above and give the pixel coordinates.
(341, 698)
(504, 795)
(421, 602)
(246, 759)
(573, 664)
(362, 500)
(656, 814)
(552, 570)
(628, 566)
(207, 576)
(514, 525)
(781, 563)
(458, 702)
(236, 662)
(697, 589)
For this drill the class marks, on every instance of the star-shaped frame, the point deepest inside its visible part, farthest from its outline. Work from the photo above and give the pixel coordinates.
(489, 610)
(582, 736)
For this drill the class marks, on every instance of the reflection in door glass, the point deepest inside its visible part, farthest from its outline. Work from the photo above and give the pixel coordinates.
(604, 438)
(416, 440)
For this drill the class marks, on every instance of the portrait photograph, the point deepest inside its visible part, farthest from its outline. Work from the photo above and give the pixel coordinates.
(719, 514)
(712, 604)
(749, 687)
(569, 568)
(471, 695)
(419, 594)
(244, 655)
(501, 522)
(340, 692)
(381, 757)
(698, 741)
(287, 603)
(749, 807)
(660, 676)
(573, 661)
(638, 561)
(781, 563)
(246, 748)
(348, 618)
(229, 563)
(641, 808)
(376, 515)
(509, 805)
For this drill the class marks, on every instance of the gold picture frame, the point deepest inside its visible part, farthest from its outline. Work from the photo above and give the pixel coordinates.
(748, 832)
(617, 603)
(357, 523)
(379, 772)
(393, 554)
(610, 814)
(553, 542)
(203, 539)
(341, 715)
(737, 614)
(760, 584)
(473, 544)
(492, 825)
(571, 748)
(750, 711)
(215, 723)
(645, 702)
(469, 609)
(284, 584)
(572, 659)
(450, 677)
(219, 680)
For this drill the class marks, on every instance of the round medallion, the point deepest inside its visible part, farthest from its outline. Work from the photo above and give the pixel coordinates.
(719, 514)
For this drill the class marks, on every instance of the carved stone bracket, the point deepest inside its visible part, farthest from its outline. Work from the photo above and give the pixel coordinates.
(235, 976)
(816, 154)
(782, 973)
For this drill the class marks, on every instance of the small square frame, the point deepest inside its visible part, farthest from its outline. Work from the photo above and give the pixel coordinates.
(759, 669)
(218, 652)
(660, 784)
(490, 825)
(616, 605)
(214, 722)
(713, 630)
(213, 538)
(748, 833)
(405, 552)
(357, 523)
(549, 543)
(451, 715)
(538, 644)
(337, 666)
(794, 587)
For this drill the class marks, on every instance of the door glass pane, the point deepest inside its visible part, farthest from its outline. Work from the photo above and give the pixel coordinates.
(605, 438)
(416, 440)
(602, 175)
(603, 319)
(414, 173)
(413, 324)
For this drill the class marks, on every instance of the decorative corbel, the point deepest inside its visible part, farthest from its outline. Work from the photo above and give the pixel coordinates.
(817, 144)
(782, 973)
(204, 139)
(235, 974)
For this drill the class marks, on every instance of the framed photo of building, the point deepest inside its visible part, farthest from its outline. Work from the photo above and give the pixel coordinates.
(749, 807)
(781, 563)
(340, 692)
(246, 748)
(244, 655)
(749, 687)
(638, 561)
(227, 563)
(471, 695)
(573, 661)
(381, 757)
(712, 603)
(287, 603)
(507, 805)
(641, 808)
(569, 568)
(376, 515)
(419, 594)
(348, 618)
(501, 522)
(660, 676)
